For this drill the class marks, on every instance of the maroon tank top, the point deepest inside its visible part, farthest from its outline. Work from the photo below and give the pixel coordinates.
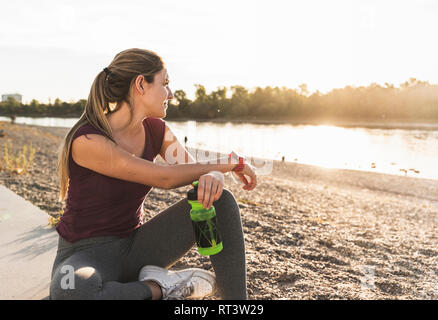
(98, 205)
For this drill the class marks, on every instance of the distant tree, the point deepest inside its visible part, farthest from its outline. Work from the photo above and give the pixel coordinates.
(200, 93)
(34, 103)
(57, 103)
(238, 102)
(218, 102)
(200, 106)
(303, 89)
(183, 103)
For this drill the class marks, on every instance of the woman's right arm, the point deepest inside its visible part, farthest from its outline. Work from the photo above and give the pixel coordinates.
(101, 155)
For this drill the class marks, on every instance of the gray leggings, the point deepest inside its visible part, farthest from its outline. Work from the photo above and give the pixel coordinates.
(108, 267)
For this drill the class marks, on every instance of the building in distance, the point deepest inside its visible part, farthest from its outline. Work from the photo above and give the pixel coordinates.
(18, 97)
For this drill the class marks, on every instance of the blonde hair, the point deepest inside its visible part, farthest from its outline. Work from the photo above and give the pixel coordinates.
(110, 87)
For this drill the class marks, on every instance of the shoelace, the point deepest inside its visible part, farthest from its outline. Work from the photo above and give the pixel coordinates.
(178, 292)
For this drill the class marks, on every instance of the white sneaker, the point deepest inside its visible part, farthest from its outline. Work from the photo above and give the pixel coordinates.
(177, 285)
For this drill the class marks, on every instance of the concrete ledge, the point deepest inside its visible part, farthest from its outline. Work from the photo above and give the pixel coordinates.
(27, 249)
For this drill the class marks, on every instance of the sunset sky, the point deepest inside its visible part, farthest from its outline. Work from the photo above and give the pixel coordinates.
(55, 48)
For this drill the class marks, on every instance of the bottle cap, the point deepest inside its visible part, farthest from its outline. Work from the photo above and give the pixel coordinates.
(193, 193)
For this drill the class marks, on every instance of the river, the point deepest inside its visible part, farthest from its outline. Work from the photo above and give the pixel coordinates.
(407, 152)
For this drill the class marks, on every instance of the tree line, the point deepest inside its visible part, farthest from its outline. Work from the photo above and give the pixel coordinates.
(36, 109)
(413, 100)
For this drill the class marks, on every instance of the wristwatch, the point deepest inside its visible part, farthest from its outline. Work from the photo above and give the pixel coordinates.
(239, 159)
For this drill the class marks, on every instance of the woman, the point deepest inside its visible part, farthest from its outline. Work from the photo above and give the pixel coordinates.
(107, 168)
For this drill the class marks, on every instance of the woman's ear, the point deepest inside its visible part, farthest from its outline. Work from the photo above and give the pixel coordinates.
(139, 84)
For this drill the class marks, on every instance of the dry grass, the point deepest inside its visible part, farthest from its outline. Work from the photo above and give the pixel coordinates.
(54, 220)
(17, 162)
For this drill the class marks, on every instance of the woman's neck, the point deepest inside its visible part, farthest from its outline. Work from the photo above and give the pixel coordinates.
(121, 122)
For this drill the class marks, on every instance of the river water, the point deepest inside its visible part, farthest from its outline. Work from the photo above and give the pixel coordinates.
(407, 152)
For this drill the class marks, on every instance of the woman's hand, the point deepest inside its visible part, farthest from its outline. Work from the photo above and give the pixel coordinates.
(248, 171)
(210, 188)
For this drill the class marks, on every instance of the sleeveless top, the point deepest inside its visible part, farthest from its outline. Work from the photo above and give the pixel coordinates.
(98, 205)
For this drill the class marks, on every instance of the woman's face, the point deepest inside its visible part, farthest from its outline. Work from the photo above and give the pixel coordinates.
(156, 95)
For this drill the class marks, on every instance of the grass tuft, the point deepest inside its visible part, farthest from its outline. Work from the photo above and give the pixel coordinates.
(17, 163)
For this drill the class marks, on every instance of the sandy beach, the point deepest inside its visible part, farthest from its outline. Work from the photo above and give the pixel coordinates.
(311, 233)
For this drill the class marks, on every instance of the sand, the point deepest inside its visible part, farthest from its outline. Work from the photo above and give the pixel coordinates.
(310, 232)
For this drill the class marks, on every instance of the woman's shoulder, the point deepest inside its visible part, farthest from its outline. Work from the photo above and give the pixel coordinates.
(87, 128)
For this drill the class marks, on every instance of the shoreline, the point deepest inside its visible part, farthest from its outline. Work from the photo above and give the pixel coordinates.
(396, 124)
(309, 231)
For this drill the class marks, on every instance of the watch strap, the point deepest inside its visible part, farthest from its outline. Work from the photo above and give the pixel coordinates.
(239, 167)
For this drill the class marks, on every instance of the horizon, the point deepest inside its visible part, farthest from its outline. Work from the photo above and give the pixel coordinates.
(62, 45)
(250, 90)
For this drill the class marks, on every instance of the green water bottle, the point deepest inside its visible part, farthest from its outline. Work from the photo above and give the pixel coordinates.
(204, 224)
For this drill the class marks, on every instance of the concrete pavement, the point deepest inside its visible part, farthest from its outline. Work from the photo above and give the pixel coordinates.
(27, 249)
